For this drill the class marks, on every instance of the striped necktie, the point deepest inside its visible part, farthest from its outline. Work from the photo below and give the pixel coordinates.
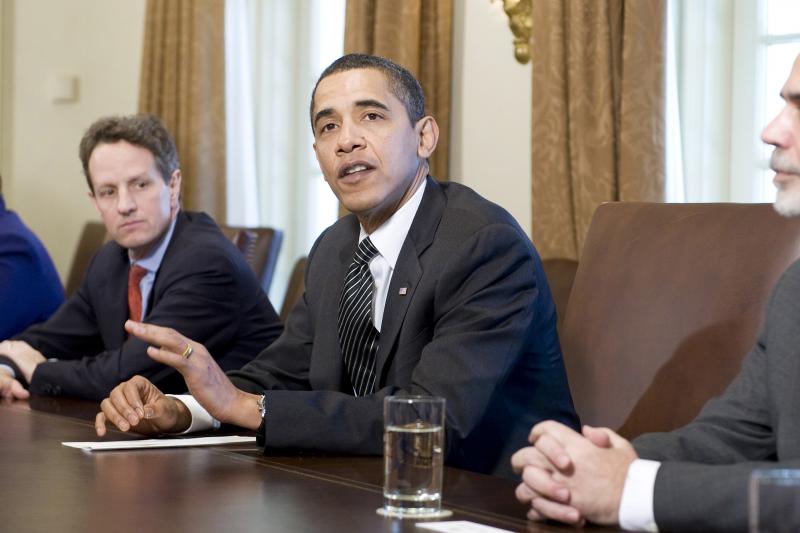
(358, 338)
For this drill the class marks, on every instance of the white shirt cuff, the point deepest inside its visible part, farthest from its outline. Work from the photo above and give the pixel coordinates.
(636, 508)
(201, 419)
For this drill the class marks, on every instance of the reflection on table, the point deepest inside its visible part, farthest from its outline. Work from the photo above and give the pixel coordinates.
(50, 487)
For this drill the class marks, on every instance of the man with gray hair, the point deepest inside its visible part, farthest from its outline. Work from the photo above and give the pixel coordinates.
(164, 265)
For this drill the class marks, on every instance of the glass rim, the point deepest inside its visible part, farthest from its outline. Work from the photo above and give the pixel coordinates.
(413, 398)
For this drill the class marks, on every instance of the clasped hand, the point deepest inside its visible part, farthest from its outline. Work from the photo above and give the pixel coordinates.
(27, 359)
(140, 406)
(573, 477)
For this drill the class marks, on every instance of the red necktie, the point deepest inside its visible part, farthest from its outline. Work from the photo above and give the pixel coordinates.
(135, 276)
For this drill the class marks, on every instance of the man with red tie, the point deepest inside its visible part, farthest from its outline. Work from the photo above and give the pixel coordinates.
(163, 265)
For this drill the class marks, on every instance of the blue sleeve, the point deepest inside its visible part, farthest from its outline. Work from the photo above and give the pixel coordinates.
(29, 288)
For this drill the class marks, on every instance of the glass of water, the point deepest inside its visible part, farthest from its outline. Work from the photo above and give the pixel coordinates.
(413, 455)
(774, 501)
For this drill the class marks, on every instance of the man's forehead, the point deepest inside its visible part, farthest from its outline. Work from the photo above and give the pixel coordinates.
(791, 89)
(350, 86)
(120, 149)
(119, 160)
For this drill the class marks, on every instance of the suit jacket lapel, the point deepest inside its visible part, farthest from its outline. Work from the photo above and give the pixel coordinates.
(181, 221)
(326, 340)
(408, 270)
(113, 312)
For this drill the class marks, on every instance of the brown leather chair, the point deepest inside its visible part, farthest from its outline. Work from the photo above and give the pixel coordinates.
(92, 238)
(667, 300)
(295, 289)
(560, 275)
(260, 246)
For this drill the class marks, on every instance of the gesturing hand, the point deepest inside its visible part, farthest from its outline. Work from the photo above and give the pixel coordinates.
(204, 378)
(137, 404)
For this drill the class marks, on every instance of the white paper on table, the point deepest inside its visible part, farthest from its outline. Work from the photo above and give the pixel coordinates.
(97, 446)
(460, 526)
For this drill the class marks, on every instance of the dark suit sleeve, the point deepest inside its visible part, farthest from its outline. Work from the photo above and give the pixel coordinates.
(734, 427)
(703, 497)
(71, 332)
(476, 319)
(198, 298)
(284, 364)
(702, 482)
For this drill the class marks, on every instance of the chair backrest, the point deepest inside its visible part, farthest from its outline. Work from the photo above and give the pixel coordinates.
(667, 300)
(295, 289)
(92, 238)
(260, 247)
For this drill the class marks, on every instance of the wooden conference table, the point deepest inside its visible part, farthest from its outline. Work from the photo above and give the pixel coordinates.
(45, 486)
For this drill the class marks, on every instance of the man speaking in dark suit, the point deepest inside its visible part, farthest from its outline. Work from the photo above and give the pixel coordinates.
(694, 478)
(426, 289)
(169, 267)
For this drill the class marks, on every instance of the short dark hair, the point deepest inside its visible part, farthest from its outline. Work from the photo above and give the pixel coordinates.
(143, 130)
(401, 82)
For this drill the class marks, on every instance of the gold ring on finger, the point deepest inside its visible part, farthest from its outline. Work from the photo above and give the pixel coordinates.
(188, 351)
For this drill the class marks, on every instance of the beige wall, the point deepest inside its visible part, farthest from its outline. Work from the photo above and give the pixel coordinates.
(491, 130)
(3, 82)
(99, 43)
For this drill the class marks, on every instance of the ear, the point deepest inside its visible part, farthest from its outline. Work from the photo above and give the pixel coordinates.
(427, 131)
(175, 190)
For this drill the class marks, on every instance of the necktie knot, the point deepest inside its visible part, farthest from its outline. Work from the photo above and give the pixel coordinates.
(365, 252)
(136, 274)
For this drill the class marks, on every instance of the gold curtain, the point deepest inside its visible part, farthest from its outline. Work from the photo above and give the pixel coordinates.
(183, 82)
(417, 34)
(598, 119)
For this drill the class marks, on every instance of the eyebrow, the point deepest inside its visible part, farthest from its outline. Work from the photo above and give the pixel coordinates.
(372, 103)
(322, 113)
(328, 111)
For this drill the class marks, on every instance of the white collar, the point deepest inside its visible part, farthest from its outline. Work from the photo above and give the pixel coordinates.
(390, 236)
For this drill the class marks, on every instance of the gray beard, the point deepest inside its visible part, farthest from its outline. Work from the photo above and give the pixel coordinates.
(787, 201)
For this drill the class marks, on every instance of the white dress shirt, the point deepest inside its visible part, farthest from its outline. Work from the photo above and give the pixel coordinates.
(636, 506)
(388, 239)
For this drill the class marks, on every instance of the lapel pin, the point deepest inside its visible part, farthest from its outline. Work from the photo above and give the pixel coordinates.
(403, 291)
